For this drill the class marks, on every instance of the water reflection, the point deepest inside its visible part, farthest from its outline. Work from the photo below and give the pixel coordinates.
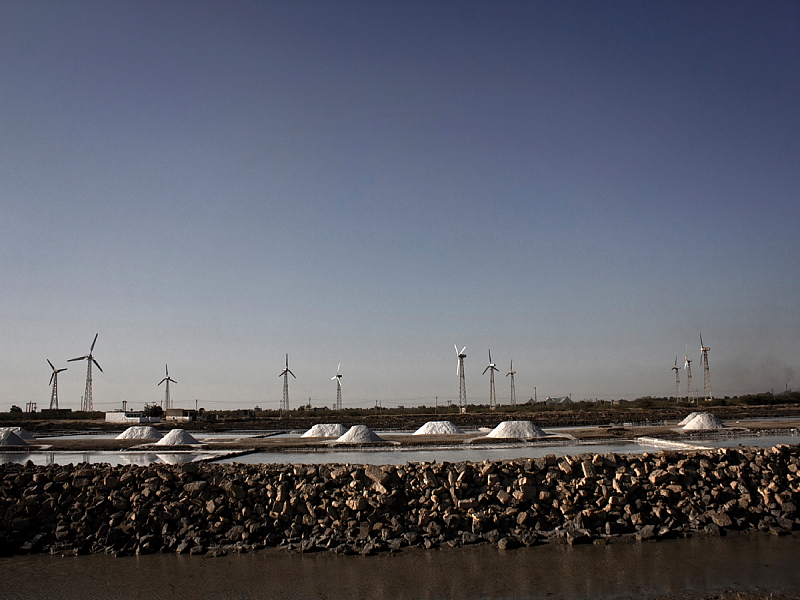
(701, 565)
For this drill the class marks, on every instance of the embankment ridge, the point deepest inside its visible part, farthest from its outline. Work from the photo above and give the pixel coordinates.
(213, 509)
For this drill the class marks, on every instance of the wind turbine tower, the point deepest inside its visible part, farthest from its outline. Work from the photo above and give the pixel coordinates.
(512, 372)
(167, 399)
(491, 368)
(677, 370)
(285, 374)
(87, 403)
(462, 384)
(706, 374)
(338, 378)
(689, 390)
(54, 383)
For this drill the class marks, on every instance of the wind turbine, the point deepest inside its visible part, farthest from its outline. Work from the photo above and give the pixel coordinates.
(491, 368)
(54, 383)
(338, 378)
(706, 374)
(677, 370)
(167, 399)
(688, 366)
(512, 372)
(87, 404)
(285, 374)
(462, 385)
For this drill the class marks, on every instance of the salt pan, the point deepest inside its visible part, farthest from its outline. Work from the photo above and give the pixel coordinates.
(359, 434)
(140, 432)
(438, 428)
(704, 421)
(688, 418)
(177, 437)
(9, 438)
(21, 432)
(516, 429)
(325, 430)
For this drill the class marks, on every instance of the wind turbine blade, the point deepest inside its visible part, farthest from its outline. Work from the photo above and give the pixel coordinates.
(287, 361)
(490, 357)
(456, 347)
(59, 371)
(51, 364)
(166, 370)
(462, 350)
(701, 340)
(512, 365)
(162, 381)
(339, 367)
(97, 365)
(79, 358)
(52, 375)
(290, 373)
(93, 343)
(486, 369)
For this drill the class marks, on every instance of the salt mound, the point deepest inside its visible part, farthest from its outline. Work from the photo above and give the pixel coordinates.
(177, 437)
(140, 432)
(516, 429)
(438, 428)
(21, 432)
(688, 418)
(9, 438)
(326, 430)
(359, 434)
(704, 421)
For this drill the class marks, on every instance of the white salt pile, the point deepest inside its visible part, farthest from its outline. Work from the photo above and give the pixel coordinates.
(438, 428)
(140, 432)
(21, 432)
(9, 438)
(359, 434)
(704, 421)
(688, 418)
(325, 430)
(177, 437)
(516, 429)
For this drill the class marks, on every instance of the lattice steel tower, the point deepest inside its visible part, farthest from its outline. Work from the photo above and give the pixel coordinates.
(87, 403)
(167, 399)
(707, 395)
(690, 395)
(677, 370)
(512, 372)
(338, 378)
(491, 368)
(462, 384)
(285, 374)
(54, 383)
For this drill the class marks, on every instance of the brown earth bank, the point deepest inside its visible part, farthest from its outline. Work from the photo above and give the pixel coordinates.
(542, 418)
(214, 509)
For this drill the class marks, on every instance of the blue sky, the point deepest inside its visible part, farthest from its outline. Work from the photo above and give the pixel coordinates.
(582, 187)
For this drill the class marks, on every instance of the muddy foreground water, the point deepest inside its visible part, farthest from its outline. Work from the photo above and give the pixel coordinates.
(746, 566)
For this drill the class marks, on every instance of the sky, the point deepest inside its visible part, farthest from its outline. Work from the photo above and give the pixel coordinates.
(582, 187)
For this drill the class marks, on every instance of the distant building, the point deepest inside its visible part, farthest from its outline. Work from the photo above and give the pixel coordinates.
(130, 416)
(181, 414)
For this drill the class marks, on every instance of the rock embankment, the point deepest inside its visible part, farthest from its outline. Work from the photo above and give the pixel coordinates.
(212, 509)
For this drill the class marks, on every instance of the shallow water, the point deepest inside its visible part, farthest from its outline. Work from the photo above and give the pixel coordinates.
(618, 570)
(396, 456)
(112, 458)
(457, 454)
